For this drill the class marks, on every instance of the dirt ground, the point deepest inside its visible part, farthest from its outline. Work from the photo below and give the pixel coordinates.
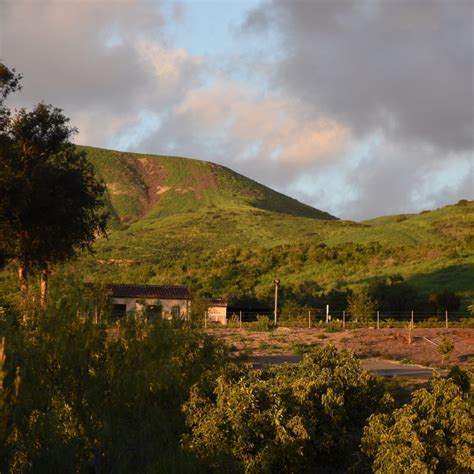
(380, 343)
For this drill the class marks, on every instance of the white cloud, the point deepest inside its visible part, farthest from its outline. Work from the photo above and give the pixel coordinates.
(277, 124)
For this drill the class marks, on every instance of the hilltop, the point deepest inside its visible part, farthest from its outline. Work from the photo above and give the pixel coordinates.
(154, 186)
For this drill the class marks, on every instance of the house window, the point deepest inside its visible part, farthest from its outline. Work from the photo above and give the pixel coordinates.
(154, 312)
(175, 311)
(119, 311)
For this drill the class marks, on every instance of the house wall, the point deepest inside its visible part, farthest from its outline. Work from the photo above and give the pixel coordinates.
(137, 304)
(217, 313)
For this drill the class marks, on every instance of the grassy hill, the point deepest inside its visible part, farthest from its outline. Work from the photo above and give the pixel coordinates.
(184, 221)
(152, 186)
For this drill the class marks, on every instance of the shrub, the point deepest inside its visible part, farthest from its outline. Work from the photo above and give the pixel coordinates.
(262, 324)
(282, 419)
(461, 378)
(9, 390)
(432, 434)
(445, 348)
(303, 348)
(93, 401)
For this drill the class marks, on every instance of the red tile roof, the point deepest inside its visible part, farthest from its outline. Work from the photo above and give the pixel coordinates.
(216, 302)
(165, 292)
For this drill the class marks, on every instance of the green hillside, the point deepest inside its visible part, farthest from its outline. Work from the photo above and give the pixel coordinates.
(153, 186)
(184, 221)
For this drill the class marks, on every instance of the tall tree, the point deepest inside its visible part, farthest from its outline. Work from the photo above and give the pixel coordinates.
(360, 305)
(50, 200)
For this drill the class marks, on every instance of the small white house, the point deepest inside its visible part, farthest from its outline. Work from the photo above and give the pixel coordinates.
(217, 310)
(160, 301)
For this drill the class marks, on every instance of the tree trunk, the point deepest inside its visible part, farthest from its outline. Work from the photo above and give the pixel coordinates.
(23, 277)
(44, 287)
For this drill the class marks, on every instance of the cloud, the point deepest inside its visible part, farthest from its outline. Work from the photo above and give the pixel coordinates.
(104, 62)
(406, 67)
(266, 137)
(275, 123)
(402, 71)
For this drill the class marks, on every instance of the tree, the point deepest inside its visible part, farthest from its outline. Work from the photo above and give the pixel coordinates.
(445, 301)
(360, 305)
(432, 434)
(50, 200)
(301, 418)
(445, 348)
(394, 294)
(90, 403)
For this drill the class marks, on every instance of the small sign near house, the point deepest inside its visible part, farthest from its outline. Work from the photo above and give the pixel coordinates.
(159, 301)
(217, 310)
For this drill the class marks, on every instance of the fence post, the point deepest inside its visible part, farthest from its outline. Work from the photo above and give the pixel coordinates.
(344, 319)
(240, 320)
(378, 319)
(446, 319)
(410, 327)
(205, 320)
(327, 314)
(309, 319)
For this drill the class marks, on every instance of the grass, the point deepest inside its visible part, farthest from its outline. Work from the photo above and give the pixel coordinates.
(303, 348)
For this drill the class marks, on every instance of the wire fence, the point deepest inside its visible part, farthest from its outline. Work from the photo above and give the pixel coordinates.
(262, 320)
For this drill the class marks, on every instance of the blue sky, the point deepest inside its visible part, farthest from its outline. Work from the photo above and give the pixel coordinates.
(360, 108)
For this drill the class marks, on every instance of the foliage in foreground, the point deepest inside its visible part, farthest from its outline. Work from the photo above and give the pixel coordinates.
(432, 434)
(161, 397)
(94, 402)
(282, 419)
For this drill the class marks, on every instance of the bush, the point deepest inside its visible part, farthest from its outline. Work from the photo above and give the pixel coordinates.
(93, 401)
(461, 378)
(262, 324)
(282, 419)
(445, 348)
(432, 434)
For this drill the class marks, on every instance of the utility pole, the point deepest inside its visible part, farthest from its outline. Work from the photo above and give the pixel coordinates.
(277, 284)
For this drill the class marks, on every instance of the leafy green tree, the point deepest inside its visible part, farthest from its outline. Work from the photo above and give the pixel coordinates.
(360, 305)
(445, 348)
(50, 199)
(9, 82)
(92, 401)
(432, 434)
(461, 378)
(282, 419)
(394, 294)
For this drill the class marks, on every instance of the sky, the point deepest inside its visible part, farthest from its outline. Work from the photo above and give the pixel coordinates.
(359, 108)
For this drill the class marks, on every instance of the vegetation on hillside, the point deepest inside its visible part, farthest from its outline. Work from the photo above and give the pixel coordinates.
(202, 225)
